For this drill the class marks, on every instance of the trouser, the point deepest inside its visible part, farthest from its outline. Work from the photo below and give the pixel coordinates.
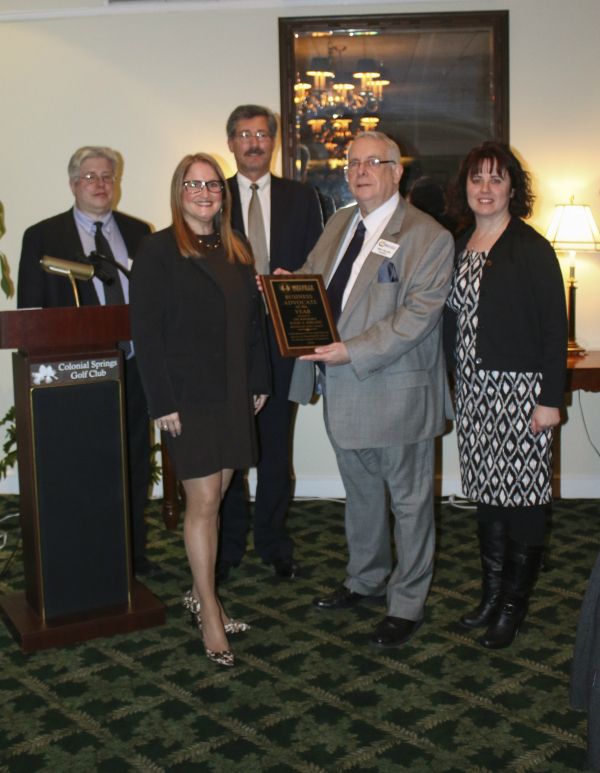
(400, 478)
(274, 477)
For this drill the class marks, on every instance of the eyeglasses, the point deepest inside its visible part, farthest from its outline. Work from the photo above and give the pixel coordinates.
(370, 163)
(93, 179)
(195, 186)
(247, 136)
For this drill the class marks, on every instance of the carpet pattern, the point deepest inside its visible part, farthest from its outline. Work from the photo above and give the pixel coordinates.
(308, 694)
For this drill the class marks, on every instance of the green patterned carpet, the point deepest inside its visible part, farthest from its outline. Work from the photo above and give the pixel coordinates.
(308, 693)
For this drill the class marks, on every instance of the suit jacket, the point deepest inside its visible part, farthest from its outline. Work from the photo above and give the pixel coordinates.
(180, 336)
(522, 313)
(394, 389)
(58, 237)
(296, 220)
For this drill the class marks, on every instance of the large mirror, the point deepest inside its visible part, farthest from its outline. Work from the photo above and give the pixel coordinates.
(437, 83)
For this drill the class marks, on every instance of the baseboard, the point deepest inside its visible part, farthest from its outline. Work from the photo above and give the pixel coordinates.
(319, 487)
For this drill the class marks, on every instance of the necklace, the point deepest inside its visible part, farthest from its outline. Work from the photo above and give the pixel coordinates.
(485, 238)
(208, 245)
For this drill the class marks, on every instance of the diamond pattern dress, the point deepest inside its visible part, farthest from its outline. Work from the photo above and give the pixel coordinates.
(501, 461)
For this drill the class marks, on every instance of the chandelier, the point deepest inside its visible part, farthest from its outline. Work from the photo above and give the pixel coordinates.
(334, 93)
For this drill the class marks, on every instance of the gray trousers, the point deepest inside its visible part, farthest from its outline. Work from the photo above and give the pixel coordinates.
(400, 478)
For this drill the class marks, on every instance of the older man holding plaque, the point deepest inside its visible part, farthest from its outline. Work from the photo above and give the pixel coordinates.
(387, 269)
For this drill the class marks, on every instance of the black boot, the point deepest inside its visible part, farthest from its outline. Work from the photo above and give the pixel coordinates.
(493, 538)
(521, 569)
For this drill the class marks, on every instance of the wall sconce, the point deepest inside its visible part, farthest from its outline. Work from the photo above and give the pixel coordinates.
(573, 229)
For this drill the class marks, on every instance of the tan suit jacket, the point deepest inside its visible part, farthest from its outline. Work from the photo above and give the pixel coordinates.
(394, 390)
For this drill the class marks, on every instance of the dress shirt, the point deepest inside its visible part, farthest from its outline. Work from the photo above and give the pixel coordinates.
(264, 196)
(375, 224)
(87, 234)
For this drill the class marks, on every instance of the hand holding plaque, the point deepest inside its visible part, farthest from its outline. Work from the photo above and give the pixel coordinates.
(300, 312)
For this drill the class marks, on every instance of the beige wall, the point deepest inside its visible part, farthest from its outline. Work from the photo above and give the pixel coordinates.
(158, 85)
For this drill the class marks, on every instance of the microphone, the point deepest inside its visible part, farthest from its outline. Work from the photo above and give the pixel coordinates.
(95, 255)
(93, 259)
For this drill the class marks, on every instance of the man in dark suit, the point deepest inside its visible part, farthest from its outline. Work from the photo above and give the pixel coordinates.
(282, 220)
(92, 225)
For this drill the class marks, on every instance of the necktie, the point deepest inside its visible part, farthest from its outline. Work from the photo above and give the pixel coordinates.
(113, 294)
(337, 285)
(256, 233)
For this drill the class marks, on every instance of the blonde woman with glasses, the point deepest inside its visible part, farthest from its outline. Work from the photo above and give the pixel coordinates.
(198, 332)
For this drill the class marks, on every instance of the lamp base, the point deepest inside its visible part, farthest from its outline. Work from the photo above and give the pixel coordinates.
(574, 348)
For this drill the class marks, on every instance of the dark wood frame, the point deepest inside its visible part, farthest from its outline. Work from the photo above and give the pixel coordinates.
(285, 350)
(497, 20)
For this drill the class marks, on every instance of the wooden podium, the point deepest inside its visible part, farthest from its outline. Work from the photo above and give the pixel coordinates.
(74, 505)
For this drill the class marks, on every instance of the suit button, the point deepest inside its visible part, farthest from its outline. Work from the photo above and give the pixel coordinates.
(488, 262)
(482, 294)
(480, 327)
(478, 361)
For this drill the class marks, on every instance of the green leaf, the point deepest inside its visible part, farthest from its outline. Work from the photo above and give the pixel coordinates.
(11, 433)
(6, 283)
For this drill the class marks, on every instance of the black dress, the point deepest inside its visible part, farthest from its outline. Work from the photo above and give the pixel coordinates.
(218, 435)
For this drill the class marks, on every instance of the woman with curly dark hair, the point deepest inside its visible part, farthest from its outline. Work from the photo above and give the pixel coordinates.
(506, 339)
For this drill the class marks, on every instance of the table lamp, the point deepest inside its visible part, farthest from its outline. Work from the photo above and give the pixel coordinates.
(573, 229)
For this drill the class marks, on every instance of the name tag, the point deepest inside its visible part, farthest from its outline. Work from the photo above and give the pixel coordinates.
(385, 248)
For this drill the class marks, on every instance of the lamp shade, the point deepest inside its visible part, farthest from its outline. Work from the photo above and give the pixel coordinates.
(573, 228)
(320, 65)
(366, 67)
(343, 79)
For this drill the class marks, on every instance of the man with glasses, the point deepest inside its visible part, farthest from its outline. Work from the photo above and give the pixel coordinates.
(282, 220)
(92, 226)
(387, 268)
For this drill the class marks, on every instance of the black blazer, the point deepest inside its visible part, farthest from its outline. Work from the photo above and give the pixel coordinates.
(180, 336)
(296, 220)
(522, 317)
(58, 237)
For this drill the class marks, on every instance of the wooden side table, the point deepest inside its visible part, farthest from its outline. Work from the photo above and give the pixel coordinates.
(583, 373)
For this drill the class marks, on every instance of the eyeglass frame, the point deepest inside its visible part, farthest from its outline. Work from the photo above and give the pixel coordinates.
(260, 136)
(373, 163)
(200, 185)
(91, 178)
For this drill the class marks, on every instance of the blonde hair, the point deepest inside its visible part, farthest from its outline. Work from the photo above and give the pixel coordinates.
(91, 151)
(187, 240)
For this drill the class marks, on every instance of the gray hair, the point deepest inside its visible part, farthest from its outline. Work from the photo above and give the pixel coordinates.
(245, 113)
(91, 151)
(393, 149)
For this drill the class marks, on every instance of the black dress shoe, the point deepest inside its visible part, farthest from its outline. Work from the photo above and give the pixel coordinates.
(342, 598)
(286, 568)
(394, 631)
(144, 567)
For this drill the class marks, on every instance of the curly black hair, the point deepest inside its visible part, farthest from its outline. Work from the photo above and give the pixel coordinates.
(501, 156)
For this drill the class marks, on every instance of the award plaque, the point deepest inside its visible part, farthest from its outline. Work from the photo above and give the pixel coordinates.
(300, 312)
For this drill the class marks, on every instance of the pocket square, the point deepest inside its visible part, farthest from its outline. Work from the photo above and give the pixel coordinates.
(387, 272)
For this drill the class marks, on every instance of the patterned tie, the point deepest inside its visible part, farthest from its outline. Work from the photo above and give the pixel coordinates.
(113, 294)
(337, 285)
(256, 233)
